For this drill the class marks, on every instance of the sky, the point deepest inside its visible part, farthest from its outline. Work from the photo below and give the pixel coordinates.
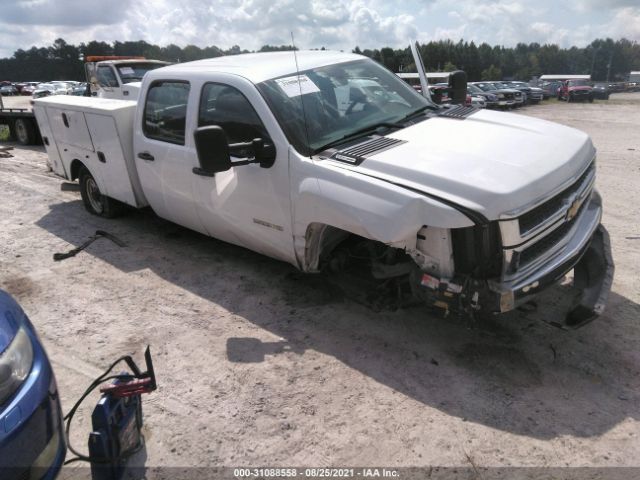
(333, 24)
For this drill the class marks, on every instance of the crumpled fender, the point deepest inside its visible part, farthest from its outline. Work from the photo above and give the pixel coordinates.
(362, 205)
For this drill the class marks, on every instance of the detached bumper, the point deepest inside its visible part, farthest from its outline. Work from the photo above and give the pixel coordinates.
(593, 267)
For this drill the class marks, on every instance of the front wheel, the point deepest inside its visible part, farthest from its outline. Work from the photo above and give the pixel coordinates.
(94, 201)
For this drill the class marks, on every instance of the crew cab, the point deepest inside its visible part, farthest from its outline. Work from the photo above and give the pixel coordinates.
(575, 90)
(333, 164)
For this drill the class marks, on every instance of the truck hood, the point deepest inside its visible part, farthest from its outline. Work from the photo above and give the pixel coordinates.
(581, 87)
(491, 162)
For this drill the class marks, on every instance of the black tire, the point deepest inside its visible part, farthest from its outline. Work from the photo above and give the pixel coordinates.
(94, 201)
(590, 99)
(24, 131)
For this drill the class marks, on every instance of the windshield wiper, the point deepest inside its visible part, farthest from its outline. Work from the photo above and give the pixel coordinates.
(415, 113)
(357, 133)
(372, 128)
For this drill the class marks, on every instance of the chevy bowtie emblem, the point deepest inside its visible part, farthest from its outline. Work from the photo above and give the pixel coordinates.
(573, 209)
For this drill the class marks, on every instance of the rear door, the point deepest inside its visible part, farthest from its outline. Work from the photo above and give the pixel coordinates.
(165, 154)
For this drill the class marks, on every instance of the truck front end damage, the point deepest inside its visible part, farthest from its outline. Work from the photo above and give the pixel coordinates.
(501, 265)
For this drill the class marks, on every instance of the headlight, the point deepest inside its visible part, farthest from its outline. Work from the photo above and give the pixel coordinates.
(501, 95)
(15, 364)
(492, 98)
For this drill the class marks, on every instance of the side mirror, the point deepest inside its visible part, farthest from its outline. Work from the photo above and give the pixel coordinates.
(458, 87)
(213, 150)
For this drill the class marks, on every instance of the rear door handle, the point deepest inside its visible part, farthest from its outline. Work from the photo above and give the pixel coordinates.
(146, 156)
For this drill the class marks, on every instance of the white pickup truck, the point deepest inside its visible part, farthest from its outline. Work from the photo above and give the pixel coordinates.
(332, 163)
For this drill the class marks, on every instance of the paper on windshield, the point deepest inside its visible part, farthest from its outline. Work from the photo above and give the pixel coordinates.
(126, 70)
(297, 85)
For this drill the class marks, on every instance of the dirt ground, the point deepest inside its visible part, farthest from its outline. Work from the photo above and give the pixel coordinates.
(258, 365)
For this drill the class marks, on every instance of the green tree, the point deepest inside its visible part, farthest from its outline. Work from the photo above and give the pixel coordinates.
(491, 73)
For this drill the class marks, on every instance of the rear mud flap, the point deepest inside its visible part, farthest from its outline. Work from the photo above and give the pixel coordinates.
(593, 276)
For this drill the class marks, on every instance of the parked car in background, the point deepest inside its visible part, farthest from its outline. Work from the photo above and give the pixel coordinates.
(44, 90)
(8, 90)
(616, 87)
(576, 90)
(79, 89)
(532, 94)
(478, 101)
(601, 91)
(28, 88)
(550, 89)
(32, 443)
(62, 88)
(506, 96)
(440, 94)
(518, 95)
(490, 99)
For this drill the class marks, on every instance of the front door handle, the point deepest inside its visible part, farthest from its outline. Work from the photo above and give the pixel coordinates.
(146, 156)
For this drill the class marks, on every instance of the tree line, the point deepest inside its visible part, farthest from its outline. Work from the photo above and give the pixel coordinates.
(604, 59)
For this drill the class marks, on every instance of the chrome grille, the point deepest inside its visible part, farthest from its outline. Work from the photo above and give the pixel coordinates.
(537, 234)
(530, 220)
(538, 249)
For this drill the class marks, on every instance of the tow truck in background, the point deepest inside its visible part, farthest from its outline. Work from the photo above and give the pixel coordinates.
(118, 76)
(107, 77)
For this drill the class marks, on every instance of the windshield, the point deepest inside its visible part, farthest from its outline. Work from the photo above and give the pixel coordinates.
(133, 72)
(339, 100)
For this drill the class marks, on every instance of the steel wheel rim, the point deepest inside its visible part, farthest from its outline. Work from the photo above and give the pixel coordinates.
(94, 195)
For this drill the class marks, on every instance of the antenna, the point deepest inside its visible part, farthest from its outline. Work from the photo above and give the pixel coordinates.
(304, 114)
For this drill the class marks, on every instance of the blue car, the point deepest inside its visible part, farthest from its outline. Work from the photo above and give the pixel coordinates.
(32, 443)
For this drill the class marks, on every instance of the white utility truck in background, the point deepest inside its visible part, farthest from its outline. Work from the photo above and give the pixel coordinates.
(334, 164)
(118, 76)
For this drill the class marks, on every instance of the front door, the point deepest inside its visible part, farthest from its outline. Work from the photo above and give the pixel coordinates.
(247, 205)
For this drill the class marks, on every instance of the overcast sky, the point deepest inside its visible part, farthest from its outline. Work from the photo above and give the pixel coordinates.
(334, 24)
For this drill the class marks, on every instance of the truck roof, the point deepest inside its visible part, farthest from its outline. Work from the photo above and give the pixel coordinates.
(564, 77)
(130, 60)
(258, 67)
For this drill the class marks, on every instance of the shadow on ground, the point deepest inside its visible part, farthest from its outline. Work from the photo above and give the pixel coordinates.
(515, 374)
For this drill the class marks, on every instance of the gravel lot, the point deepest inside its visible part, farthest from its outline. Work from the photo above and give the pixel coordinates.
(260, 366)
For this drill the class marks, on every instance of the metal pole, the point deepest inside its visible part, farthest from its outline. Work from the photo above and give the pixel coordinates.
(609, 66)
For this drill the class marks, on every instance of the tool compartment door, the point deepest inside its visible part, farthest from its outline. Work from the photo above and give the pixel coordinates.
(49, 141)
(69, 126)
(109, 158)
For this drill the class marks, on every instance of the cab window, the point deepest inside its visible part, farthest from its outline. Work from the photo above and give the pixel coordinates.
(226, 107)
(165, 111)
(106, 77)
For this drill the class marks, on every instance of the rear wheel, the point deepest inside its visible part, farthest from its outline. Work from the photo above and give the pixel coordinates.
(24, 131)
(94, 201)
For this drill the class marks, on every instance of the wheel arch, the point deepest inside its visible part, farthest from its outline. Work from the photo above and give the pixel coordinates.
(75, 167)
(321, 239)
